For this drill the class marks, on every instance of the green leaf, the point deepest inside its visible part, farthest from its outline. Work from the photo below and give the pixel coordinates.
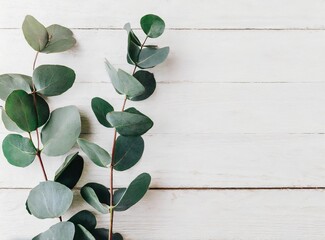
(8, 123)
(70, 171)
(147, 80)
(152, 25)
(123, 82)
(59, 231)
(53, 80)
(60, 39)
(128, 151)
(42, 109)
(19, 151)
(49, 200)
(84, 218)
(20, 108)
(131, 34)
(150, 57)
(117, 236)
(82, 233)
(35, 33)
(133, 52)
(61, 131)
(97, 196)
(126, 198)
(100, 233)
(101, 108)
(130, 122)
(95, 153)
(11, 82)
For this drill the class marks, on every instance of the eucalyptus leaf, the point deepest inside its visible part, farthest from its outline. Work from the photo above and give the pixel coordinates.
(131, 34)
(60, 39)
(8, 123)
(147, 80)
(19, 151)
(53, 80)
(11, 82)
(130, 122)
(97, 196)
(100, 107)
(126, 198)
(42, 110)
(133, 51)
(95, 153)
(84, 218)
(70, 171)
(35, 33)
(49, 200)
(152, 25)
(61, 131)
(151, 57)
(128, 151)
(82, 233)
(20, 108)
(59, 231)
(100, 233)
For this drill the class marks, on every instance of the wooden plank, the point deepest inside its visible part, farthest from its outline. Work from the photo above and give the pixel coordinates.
(193, 215)
(201, 160)
(178, 14)
(196, 56)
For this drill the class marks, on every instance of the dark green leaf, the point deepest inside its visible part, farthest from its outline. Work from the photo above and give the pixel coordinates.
(42, 109)
(130, 122)
(59, 231)
(95, 153)
(49, 200)
(117, 236)
(97, 196)
(82, 233)
(8, 123)
(19, 151)
(70, 171)
(131, 34)
(11, 82)
(147, 80)
(133, 194)
(53, 80)
(133, 51)
(150, 57)
(20, 108)
(101, 108)
(128, 151)
(84, 218)
(61, 132)
(152, 25)
(35, 33)
(100, 233)
(60, 39)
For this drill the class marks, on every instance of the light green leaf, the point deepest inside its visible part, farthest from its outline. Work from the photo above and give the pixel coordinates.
(126, 198)
(84, 218)
(35, 33)
(53, 80)
(61, 132)
(60, 39)
(147, 80)
(8, 123)
(82, 233)
(19, 151)
(128, 151)
(150, 57)
(100, 107)
(97, 196)
(11, 82)
(95, 153)
(152, 25)
(59, 231)
(49, 200)
(130, 122)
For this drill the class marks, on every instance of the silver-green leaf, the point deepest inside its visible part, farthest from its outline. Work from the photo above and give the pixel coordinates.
(11, 82)
(59, 231)
(35, 33)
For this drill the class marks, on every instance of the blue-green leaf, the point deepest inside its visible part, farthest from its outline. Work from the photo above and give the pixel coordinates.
(59, 231)
(151, 57)
(97, 196)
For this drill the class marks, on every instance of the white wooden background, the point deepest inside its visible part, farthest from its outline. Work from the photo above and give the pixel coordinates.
(238, 147)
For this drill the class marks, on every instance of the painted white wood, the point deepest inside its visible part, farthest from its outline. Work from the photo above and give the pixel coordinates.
(193, 215)
(196, 56)
(178, 14)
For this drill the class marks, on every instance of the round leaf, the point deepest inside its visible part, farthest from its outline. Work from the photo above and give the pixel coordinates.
(59, 231)
(150, 57)
(35, 33)
(84, 218)
(11, 82)
(100, 233)
(19, 151)
(53, 80)
(61, 132)
(82, 233)
(95, 153)
(8, 123)
(128, 151)
(126, 198)
(70, 171)
(42, 110)
(97, 196)
(20, 108)
(152, 25)
(49, 200)
(130, 122)
(101, 108)
(147, 80)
